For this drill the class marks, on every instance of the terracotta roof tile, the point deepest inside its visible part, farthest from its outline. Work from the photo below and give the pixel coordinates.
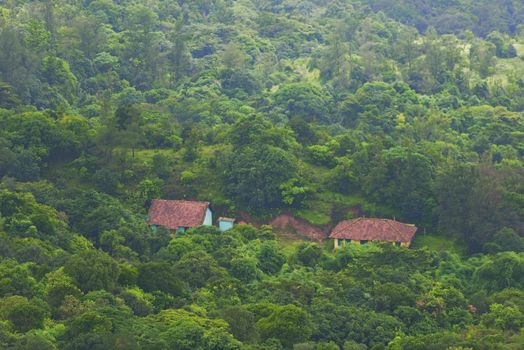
(374, 230)
(173, 214)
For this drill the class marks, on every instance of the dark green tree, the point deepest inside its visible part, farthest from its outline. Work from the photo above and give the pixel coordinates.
(289, 324)
(93, 270)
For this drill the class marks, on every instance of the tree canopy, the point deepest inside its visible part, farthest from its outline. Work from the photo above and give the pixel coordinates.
(310, 112)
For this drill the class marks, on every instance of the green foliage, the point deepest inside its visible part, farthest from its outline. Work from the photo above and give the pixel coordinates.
(504, 317)
(26, 316)
(303, 100)
(504, 271)
(197, 268)
(93, 270)
(59, 286)
(403, 177)
(289, 324)
(241, 322)
(8, 98)
(270, 260)
(309, 254)
(159, 276)
(245, 269)
(506, 239)
(254, 176)
(323, 110)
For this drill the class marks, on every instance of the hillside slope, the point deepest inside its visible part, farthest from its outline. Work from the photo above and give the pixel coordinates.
(307, 111)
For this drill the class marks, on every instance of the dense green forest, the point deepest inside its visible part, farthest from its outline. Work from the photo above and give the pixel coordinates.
(324, 110)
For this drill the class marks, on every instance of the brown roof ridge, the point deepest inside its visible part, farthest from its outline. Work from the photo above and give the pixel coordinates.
(374, 229)
(393, 226)
(182, 200)
(174, 213)
(352, 222)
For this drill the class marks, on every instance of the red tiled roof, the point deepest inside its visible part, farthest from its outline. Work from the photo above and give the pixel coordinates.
(374, 230)
(173, 214)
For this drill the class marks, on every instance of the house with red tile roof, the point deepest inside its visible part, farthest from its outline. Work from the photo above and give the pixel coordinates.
(179, 215)
(364, 230)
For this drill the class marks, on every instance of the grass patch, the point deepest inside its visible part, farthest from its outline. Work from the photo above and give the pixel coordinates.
(316, 216)
(506, 69)
(328, 245)
(520, 48)
(289, 244)
(437, 243)
(319, 210)
(146, 154)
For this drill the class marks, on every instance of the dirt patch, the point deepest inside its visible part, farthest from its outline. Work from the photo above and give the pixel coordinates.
(289, 226)
(299, 226)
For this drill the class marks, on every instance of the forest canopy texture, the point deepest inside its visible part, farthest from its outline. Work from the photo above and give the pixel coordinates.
(321, 110)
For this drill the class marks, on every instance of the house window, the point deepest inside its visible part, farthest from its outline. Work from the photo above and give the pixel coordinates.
(364, 241)
(340, 241)
(348, 241)
(397, 244)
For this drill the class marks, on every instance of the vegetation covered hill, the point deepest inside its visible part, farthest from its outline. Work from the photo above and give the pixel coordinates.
(320, 109)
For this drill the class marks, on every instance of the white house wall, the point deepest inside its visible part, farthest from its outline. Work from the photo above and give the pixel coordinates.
(208, 220)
